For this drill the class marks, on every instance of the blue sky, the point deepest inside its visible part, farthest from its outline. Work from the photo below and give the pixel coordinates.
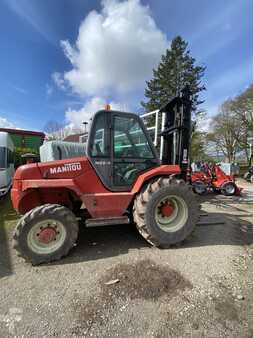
(61, 59)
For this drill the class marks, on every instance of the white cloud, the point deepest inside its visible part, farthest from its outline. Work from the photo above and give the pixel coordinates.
(4, 123)
(116, 50)
(204, 125)
(59, 80)
(75, 118)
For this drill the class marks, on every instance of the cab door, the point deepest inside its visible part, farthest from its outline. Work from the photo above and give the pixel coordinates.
(99, 144)
(133, 150)
(119, 149)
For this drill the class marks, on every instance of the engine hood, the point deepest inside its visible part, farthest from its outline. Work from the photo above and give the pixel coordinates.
(28, 172)
(68, 168)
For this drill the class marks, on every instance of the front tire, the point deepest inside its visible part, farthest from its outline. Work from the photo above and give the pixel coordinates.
(166, 212)
(45, 233)
(228, 188)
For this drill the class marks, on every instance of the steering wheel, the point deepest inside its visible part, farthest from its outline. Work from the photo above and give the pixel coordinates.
(128, 175)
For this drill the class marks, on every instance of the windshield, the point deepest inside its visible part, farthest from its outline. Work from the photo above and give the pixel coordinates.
(2, 158)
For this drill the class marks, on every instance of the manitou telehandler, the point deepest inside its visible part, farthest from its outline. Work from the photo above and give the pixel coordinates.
(120, 180)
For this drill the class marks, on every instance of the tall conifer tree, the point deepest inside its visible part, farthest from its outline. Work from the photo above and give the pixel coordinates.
(176, 69)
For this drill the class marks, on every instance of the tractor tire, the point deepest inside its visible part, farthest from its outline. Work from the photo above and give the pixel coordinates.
(228, 189)
(247, 176)
(199, 188)
(166, 212)
(45, 233)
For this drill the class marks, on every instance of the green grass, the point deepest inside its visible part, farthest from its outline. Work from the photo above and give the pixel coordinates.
(8, 216)
(8, 220)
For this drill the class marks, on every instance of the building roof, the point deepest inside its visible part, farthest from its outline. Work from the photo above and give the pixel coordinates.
(74, 137)
(23, 132)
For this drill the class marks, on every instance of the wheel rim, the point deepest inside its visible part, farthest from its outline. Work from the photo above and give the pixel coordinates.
(229, 188)
(171, 213)
(46, 237)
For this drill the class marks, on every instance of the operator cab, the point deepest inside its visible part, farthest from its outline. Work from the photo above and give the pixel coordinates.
(119, 148)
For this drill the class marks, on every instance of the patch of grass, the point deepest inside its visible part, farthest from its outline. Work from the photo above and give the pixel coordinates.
(8, 215)
(8, 219)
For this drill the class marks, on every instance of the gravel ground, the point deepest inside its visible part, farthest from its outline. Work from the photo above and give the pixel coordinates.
(202, 289)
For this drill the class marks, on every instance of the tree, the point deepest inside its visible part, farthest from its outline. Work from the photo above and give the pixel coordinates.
(58, 131)
(233, 126)
(176, 69)
(227, 132)
(242, 106)
(53, 126)
(198, 146)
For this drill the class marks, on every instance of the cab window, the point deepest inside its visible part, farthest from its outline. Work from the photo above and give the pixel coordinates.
(132, 152)
(2, 158)
(99, 144)
(10, 158)
(130, 140)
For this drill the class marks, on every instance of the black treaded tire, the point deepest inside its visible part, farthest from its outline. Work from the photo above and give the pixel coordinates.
(247, 176)
(144, 211)
(224, 190)
(199, 188)
(39, 214)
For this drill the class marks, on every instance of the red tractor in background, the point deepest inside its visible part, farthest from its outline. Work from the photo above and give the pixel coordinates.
(120, 180)
(214, 178)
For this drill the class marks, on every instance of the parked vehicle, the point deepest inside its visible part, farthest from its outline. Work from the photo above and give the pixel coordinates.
(248, 176)
(6, 163)
(120, 180)
(215, 179)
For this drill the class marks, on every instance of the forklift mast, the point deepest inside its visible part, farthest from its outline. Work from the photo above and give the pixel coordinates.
(177, 131)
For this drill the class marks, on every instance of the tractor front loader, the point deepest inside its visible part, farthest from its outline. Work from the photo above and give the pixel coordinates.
(121, 179)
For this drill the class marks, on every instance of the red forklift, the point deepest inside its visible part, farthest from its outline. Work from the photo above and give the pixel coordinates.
(120, 180)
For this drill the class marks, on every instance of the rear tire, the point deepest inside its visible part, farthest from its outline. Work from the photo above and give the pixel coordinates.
(45, 233)
(199, 188)
(182, 208)
(228, 188)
